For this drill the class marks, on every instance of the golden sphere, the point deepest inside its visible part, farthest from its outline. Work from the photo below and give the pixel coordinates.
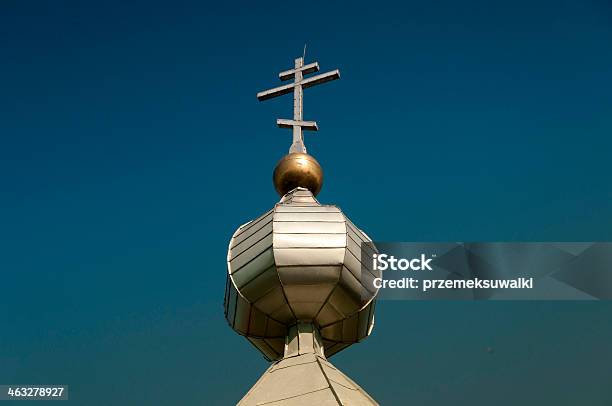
(295, 170)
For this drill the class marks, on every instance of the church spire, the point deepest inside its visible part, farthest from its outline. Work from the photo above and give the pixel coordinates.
(298, 169)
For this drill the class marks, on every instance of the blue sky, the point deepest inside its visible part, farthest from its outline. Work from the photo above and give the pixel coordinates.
(132, 146)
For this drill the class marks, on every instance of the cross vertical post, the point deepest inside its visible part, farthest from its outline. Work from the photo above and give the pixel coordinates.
(298, 125)
(298, 98)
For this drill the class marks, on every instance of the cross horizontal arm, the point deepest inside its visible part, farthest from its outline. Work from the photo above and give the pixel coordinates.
(306, 69)
(309, 82)
(306, 125)
(322, 78)
(277, 91)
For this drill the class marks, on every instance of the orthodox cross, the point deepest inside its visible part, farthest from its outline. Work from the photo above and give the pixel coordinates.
(297, 87)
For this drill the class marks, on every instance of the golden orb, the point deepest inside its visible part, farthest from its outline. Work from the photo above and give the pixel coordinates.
(297, 169)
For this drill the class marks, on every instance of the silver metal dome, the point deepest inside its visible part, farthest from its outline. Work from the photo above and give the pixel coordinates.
(299, 263)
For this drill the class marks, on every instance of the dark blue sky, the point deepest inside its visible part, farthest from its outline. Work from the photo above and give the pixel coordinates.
(132, 146)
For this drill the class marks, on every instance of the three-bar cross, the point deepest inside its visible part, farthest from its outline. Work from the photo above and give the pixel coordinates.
(297, 87)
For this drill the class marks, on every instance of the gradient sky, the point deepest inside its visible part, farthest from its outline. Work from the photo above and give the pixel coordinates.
(132, 146)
